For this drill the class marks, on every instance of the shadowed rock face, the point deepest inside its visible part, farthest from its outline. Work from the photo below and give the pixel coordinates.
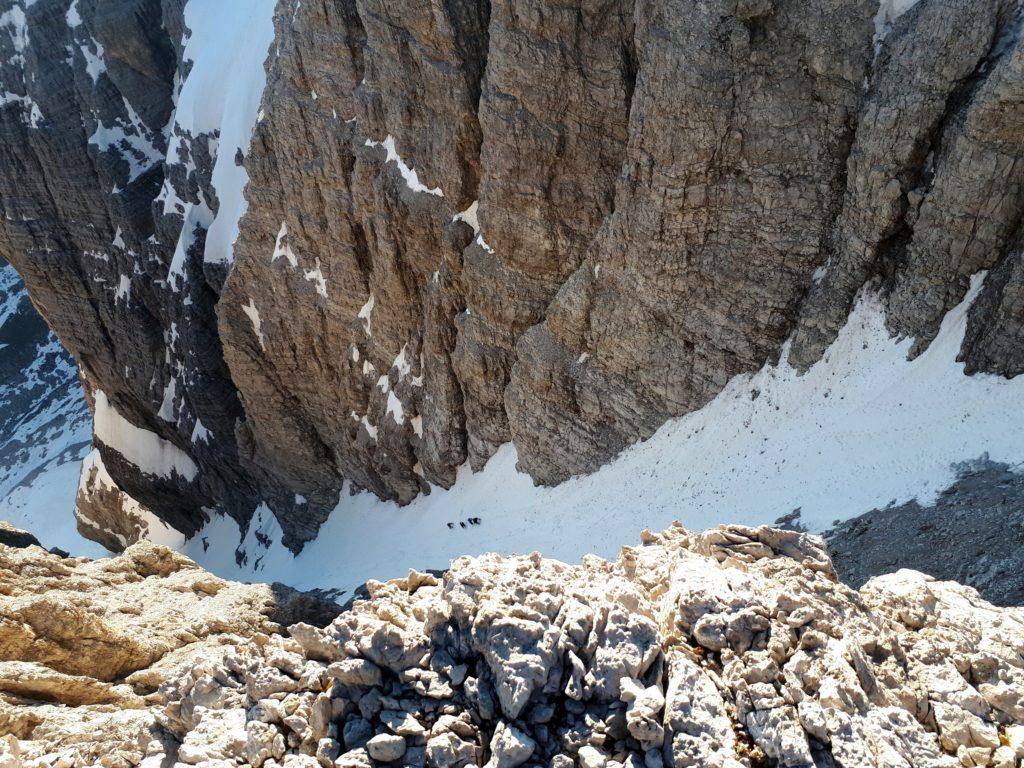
(14, 537)
(84, 148)
(553, 223)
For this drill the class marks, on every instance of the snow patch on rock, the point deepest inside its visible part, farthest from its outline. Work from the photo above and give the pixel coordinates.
(283, 248)
(148, 526)
(412, 179)
(366, 315)
(227, 47)
(888, 12)
(146, 450)
(257, 324)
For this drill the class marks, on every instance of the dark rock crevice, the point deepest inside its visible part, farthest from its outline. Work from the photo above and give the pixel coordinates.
(996, 320)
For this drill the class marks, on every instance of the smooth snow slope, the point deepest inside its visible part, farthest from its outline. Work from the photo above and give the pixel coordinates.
(864, 428)
(227, 45)
(44, 424)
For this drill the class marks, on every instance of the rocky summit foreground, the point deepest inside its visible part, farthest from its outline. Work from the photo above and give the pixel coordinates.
(736, 647)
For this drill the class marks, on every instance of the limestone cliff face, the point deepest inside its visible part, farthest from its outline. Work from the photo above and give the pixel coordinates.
(468, 223)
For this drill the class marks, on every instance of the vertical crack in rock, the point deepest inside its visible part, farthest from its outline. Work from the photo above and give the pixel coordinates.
(347, 224)
(995, 324)
(287, 315)
(550, 158)
(966, 220)
(422, 81)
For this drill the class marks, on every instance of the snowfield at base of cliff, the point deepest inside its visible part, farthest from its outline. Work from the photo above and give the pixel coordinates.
(864, 428)
(885, 430)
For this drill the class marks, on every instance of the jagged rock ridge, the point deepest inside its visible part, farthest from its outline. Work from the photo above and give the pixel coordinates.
(444, 251)
(736, 647)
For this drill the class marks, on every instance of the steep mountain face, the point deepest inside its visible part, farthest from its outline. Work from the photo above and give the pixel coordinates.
(398, 241)
(44, 423)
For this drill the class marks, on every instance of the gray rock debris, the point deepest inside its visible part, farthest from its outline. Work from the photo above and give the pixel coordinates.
(973, 534)
(741, 649)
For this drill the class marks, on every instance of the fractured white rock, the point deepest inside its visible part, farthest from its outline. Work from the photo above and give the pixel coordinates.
(721, 650)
